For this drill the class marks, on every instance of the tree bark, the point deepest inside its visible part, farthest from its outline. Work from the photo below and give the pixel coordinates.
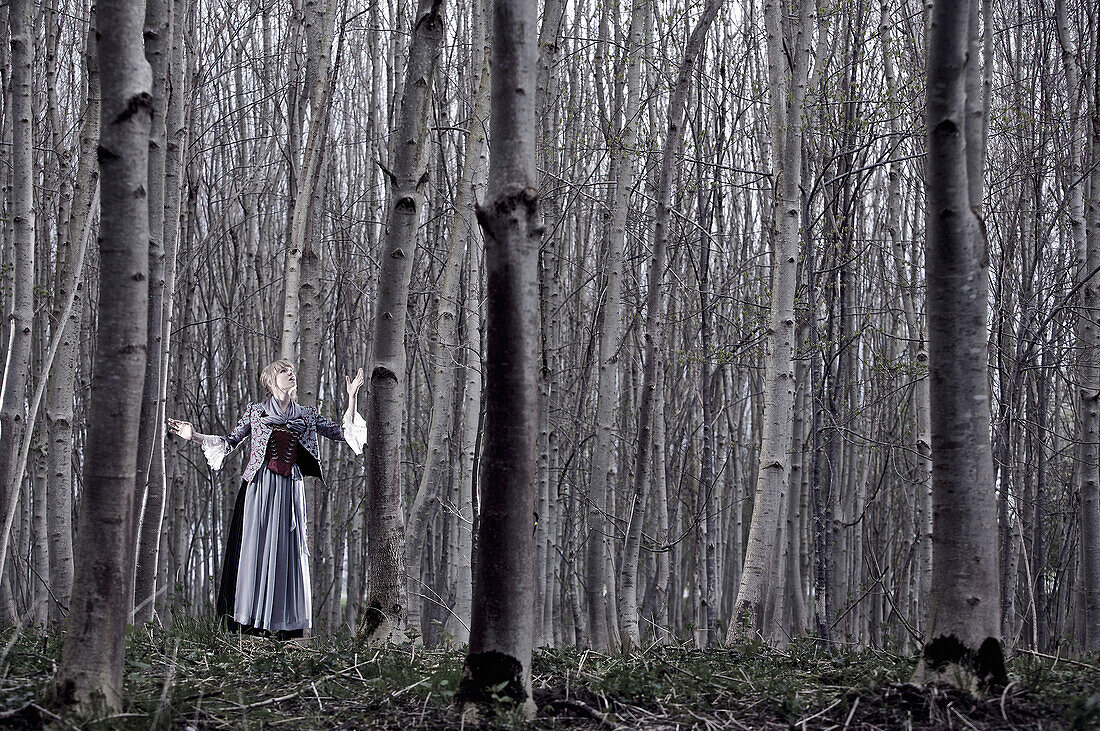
(501, 631)
(310, 331)
(151, 558)
(622, 166)
(90, 671)
(13, 419)
(661, 589)
(458, 625)
(387, 601)
(62, 376)
(158, 43)
(548, 85)
(440, 427)
(1089, 332)
(962, 639)
(786, 91)
(643, 459)
(320, 80)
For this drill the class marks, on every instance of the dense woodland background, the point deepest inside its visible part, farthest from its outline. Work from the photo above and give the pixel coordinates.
(279, 127)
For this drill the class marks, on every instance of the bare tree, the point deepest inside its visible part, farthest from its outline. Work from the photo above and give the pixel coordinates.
(598, 554)
(387, 600)
(458, 622)
(786, 92)
(62, 374)
(501, 631)
(90, 671)
(16, 370)
(643, 461)
(447, 302)
(914, 325)
(1089, 333)
(963, 635)
(159, 27)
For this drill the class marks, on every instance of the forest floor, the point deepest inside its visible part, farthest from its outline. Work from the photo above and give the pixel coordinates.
(196, 677)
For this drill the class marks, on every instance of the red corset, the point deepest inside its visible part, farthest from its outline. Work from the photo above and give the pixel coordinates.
(282, 450)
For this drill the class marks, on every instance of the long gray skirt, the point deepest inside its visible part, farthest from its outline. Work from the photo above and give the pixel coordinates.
(272, 588)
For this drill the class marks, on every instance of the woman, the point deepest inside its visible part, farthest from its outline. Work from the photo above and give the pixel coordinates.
(265, 587)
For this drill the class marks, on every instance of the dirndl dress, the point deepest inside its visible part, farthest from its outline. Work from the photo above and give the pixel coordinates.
(265, 584)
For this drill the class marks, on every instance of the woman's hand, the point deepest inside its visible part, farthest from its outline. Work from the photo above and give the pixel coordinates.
(353, 384)
(182, 429)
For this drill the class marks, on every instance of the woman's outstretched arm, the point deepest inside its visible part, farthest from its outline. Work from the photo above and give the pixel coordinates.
(186, 431)
(213, 446)
(354, 429)
(353, 385)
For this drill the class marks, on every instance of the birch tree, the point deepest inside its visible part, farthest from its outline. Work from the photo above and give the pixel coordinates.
(62, 375)
(962, 639)
(1089, 334)
(628, 606)
(158, 31)
(599, 531)
(387, 600)
(460, 236)
(498, 661)
(786, 92)
(90, 672)
(16, 371)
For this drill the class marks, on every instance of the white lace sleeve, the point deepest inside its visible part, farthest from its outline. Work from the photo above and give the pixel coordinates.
(355, 433)
(215, 449)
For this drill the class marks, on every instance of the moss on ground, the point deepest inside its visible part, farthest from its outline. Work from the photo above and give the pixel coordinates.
(195, 676)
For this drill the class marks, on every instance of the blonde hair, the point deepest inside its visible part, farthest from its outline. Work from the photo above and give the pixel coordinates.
(268, 374)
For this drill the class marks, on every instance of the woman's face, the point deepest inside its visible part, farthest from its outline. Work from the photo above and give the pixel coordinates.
(284, 381)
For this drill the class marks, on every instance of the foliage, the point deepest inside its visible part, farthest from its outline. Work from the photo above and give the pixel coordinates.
(194, 675)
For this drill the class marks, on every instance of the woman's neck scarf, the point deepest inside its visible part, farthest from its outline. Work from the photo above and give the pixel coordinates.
(294, 418)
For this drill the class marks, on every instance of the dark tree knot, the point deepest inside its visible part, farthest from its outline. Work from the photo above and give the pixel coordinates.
(946, 127)
(382, 373)
(140, 102)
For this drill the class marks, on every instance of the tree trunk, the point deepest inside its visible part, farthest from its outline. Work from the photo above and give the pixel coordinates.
(501, 631)
(1090, 396)
(547, 97)
(661, 579)
(158, 43)
(920, 443)
(90, 671)
(440, 428)
(320, 29)
(962, 639)
(786, 92)
(644, 460)
(459, 621)
(622, 167)
(311, 333)
(387, 600)
(62, 377)
(151, 558)
(17, 368)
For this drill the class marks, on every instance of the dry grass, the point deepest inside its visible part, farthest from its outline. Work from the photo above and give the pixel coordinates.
(195, 676)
